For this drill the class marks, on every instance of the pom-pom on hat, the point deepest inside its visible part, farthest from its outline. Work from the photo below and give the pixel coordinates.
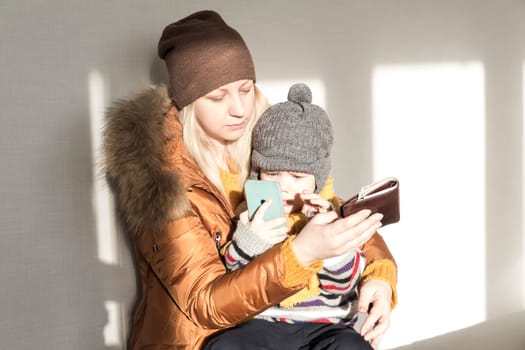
(295, 135)
(202, 53)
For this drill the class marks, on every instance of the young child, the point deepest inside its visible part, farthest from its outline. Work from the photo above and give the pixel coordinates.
(291, 145)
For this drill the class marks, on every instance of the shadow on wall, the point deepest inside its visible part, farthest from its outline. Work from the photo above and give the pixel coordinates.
(158, 71)
(502, 333)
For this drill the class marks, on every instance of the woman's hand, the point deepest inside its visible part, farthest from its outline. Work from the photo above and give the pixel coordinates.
(326, 236)
(272, 231)
(375, 297)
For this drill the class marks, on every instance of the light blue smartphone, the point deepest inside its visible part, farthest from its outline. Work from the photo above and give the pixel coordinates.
(259, 191)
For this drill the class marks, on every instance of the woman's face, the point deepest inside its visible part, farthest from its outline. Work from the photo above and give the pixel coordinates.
(224, 112)
(293, 185)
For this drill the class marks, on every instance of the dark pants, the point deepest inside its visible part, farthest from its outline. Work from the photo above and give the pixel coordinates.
(260, 334)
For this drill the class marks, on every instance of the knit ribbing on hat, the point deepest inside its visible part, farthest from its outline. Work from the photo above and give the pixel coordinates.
(294, 136)
(203, 53)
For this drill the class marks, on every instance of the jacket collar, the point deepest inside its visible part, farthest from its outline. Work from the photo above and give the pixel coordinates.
(148, 191)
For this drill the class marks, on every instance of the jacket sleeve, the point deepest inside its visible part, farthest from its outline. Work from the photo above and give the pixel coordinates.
(187, 262)
(380, 264)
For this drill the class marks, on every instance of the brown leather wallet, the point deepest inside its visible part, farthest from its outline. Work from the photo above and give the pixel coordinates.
(380, 197)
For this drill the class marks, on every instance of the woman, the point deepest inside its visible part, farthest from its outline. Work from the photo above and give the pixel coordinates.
(176, 161)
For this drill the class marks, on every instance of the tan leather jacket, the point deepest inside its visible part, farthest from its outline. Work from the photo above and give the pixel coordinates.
(177, 220)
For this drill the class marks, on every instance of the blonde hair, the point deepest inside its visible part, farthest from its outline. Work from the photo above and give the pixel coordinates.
(238, 152)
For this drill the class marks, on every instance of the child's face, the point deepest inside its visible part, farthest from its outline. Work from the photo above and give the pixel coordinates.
(293, 185)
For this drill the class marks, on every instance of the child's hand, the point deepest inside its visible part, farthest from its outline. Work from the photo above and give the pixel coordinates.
(273, 231)
(314, 204)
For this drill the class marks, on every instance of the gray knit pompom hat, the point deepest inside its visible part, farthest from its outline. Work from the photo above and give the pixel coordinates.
(293, 136)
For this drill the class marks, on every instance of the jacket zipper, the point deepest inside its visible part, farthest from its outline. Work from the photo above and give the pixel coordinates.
(218, 237)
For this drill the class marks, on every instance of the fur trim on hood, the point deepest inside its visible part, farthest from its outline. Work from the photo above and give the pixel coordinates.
(146, 193)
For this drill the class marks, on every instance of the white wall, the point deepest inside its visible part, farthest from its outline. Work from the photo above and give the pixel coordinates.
(428, 91)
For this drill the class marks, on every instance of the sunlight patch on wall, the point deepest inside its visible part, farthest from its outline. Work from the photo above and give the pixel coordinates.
(277, 91)
(523, 182)
(113, 329)
(101, 198)
(429, 131)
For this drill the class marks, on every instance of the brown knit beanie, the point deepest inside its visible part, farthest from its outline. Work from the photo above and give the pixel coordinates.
(202, 53)
(295, 135)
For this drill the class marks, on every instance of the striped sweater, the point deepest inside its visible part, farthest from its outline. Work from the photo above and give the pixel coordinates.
(334, 298)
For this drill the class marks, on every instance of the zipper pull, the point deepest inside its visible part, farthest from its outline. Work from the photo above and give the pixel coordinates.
(218, 239)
